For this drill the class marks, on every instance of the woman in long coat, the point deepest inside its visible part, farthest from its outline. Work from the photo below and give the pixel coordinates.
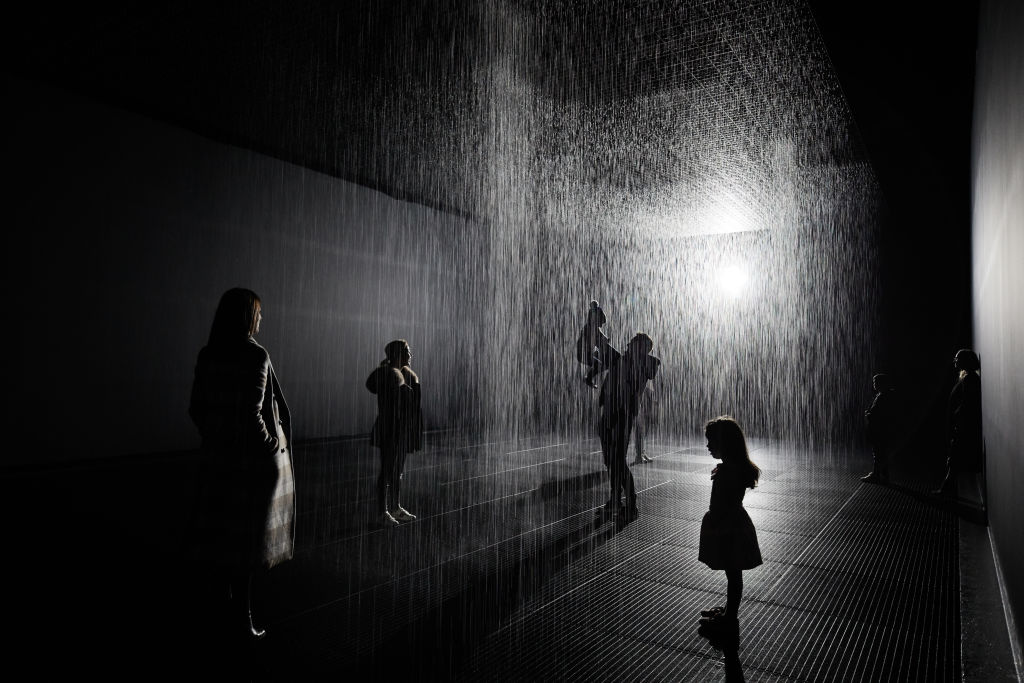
(247, 493)
(963, 420)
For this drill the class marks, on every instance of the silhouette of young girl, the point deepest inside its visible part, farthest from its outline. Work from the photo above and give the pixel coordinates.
(592, 344)
(728, 540)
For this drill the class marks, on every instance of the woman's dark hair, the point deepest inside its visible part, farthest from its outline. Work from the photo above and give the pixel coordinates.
(393, 352)
(968, 360)
(235, 319)
(642, 342)
(725, 432)
(595, 315)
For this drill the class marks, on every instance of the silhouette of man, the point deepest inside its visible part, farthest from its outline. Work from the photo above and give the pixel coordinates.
(621, 393)
(880, 422)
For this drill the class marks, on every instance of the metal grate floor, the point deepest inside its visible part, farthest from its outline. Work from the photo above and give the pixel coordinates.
(507, 574)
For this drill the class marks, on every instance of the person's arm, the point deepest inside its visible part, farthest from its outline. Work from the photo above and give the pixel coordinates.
(871, 413)
(652, 367)
(391, 388)
(282, 406)
(253, 394)
(609, 354)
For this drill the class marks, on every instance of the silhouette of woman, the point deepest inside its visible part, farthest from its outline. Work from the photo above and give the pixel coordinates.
(728, 540)
(247, 494)
(398, 429)
(963, 419)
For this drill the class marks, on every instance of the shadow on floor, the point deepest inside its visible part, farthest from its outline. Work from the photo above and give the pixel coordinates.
(435, 645)
(964, 508)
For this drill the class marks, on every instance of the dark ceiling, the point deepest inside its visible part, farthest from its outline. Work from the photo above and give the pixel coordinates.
(409, 97)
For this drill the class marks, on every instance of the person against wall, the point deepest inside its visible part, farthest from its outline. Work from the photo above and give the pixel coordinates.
(880, 420)
(963, 421)
(398, 429)
(620, 397)
(246, 504)
(728, 540)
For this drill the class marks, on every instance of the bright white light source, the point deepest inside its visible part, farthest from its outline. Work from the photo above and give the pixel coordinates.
(733, 280)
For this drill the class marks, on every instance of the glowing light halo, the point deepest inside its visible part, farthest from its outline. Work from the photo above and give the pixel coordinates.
(733, 280)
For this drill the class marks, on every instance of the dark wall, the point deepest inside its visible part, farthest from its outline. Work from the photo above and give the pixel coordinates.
(998, 257)
(125, 232)
(908, 77)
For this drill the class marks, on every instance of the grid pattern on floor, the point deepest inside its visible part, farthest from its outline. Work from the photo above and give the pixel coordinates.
(508, 574)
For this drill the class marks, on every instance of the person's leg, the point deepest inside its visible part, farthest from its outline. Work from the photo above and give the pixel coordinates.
(604, 432)
(638, 440)
(241, 597)
(615, 472)
(387, 462)
(617, 464)
(607, 434)
(396, 479)
(399, 512)
(622, 477)
(628, 485)
(734, 592)
(386, 480)
(948, 486)
(629, 490)
(882, 461)
(873, 475)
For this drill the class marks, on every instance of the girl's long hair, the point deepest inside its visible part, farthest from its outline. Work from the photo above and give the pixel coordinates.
(235, 319)
(725, 432)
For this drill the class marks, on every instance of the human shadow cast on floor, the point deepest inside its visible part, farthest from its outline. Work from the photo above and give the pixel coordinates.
(963, 508)
(727, 642)
(440, 642)
(560, 487)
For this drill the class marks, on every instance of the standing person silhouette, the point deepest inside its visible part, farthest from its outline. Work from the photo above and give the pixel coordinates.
(398, 429)
(880, 425)
(620, 397)
(592, 347)
(728, 540)
(963, 420)
(246, 515)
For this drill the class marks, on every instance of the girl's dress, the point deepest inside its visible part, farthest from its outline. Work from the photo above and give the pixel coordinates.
(727, 536)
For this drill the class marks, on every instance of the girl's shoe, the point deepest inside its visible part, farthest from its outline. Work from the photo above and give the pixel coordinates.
(713, 612)
(720, 623)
